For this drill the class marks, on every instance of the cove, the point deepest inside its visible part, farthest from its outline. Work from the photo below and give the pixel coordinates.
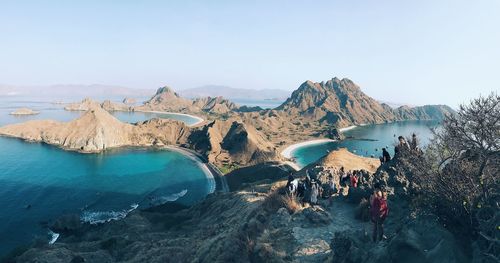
(41, 182)
(367, 140)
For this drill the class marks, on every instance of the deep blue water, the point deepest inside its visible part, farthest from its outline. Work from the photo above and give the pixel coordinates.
(40, 182)
(368, 140)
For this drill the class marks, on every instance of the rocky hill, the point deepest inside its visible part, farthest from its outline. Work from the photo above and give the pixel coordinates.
(166, 99)
(232, 142)
(341, 102)
(89, 103)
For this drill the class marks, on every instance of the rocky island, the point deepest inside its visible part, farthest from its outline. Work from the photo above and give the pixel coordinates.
(24, 111)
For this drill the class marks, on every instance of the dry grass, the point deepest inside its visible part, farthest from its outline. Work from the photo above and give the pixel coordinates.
(350, 161)
(277, 200)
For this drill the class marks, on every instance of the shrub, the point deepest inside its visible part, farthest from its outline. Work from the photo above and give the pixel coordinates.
(277, 199)
(458, 175)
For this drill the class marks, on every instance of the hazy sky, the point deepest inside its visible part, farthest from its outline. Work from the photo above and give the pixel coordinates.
(400, 51)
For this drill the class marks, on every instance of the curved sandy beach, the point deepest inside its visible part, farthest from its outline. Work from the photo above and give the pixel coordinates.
(200, 120)
(347, 128)
(287, 152)
(203, 166)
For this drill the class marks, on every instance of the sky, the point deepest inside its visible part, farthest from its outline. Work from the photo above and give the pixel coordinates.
(417, 52)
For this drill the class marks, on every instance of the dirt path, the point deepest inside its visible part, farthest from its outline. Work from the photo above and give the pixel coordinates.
(314, 242)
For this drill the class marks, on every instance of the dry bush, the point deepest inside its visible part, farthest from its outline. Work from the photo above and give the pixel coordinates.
(276, 200)
(458, 175)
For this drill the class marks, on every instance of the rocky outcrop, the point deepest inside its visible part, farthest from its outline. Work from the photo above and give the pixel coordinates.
(24, 111)
(350, 161)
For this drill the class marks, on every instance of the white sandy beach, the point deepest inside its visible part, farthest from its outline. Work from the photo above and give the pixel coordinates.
(347, 128)
(287, 152)
(200, 120)
(202, 165)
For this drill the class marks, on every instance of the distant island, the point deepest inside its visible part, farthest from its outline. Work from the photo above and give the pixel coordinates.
(24, 111)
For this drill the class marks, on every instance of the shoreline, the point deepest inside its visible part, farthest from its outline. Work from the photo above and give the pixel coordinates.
(200, 120)
(203, 165)
(287, 152)
(347, 128)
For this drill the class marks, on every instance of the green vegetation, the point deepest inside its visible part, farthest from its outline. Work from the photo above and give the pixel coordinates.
(227, 168)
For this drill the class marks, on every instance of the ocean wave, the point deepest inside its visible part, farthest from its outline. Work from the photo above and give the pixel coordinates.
(99, 217)
(160, 200)
(53, 237)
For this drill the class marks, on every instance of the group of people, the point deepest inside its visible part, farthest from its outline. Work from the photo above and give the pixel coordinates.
(403, 145)
(311, 189)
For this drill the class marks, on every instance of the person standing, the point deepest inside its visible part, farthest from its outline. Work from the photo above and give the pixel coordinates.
(385, 155)
(378, 212)
(354, 179)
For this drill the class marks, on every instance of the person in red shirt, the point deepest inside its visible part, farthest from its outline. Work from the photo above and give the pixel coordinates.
(378, 212)
(354, 179)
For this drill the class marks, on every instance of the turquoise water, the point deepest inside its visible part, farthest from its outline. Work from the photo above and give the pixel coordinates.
(368, 140)
(41, 182)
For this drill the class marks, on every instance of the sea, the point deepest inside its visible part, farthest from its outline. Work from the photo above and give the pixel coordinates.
(40, 183)
(368, 140)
